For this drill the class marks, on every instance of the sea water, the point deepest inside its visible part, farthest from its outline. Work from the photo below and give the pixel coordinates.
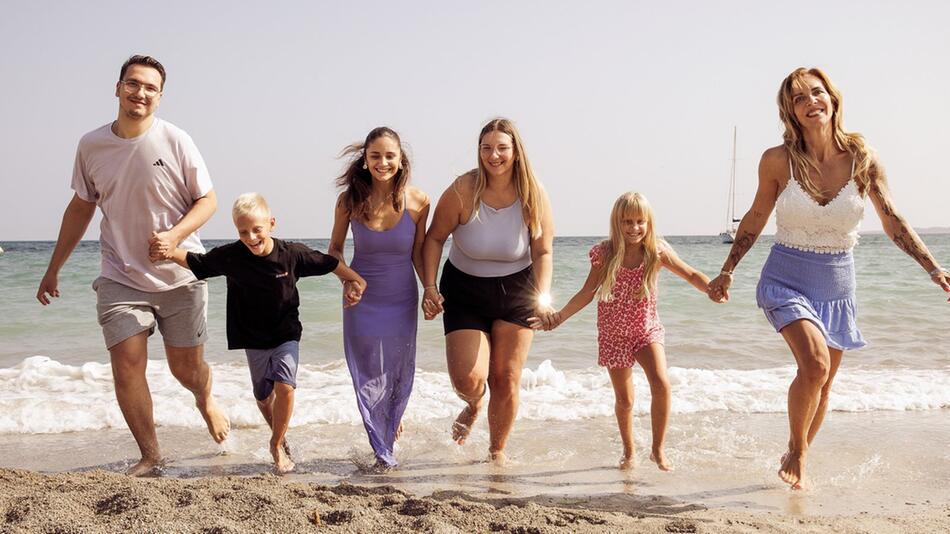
(728, 369)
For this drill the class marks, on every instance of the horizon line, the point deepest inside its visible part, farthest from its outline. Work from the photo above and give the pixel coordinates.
(929, 230)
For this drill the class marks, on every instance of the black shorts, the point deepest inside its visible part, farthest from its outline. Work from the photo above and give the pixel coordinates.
(475, 302)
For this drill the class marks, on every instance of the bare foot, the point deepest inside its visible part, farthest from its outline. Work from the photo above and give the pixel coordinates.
(661, 461)
(399, 431)
(792, 471)
(463, 424)
(497, 459)
(626, 462)
(217, 421)
(282, 462)
(381, 468)
(146, 467)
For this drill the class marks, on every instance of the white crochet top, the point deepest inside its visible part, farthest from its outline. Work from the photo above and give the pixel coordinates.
(807, 225)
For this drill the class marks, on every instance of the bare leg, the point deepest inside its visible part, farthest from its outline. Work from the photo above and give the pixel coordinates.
(509, 350)
(814, 362)
(819, 418)
(188, 366)
(622, 381)
(466, 353)
(266, 407)
(129, 360)
(283, 409)
(653, 360)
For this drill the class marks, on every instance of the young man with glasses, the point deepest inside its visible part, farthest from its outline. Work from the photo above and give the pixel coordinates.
(153, 188)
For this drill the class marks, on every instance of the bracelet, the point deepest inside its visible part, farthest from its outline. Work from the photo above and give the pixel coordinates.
(725, 273)
(430, 287)
(937, 271)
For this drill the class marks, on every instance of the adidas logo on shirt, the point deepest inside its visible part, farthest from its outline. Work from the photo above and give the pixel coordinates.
(159, 163)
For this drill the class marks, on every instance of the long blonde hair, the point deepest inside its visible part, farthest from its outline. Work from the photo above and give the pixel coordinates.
(527, 186)
(794, 140)
(615, 246)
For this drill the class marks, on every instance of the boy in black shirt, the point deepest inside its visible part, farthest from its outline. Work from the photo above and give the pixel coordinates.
(262, 306)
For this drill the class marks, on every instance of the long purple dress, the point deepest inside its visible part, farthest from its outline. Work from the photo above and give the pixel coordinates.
(379, 333)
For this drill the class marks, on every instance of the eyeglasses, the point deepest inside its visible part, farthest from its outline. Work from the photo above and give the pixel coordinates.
(132, 87)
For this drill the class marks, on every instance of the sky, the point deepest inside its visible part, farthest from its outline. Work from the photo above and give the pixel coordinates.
(609, 96)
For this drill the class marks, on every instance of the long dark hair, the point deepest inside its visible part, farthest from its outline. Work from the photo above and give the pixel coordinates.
(357, 182)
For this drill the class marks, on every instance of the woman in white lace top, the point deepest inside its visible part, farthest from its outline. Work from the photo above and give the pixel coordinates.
(816, 181)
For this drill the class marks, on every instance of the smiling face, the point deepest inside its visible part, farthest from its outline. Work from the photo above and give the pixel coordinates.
(139, 91)
(634, 226)
(254, 231)
(631, 222)
(497, 152)
(383, 157)
(811, 102)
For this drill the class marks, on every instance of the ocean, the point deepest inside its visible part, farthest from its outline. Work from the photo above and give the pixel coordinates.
(729, 372)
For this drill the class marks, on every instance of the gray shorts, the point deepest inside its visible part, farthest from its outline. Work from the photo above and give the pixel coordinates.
(273, 365)
(180, 313)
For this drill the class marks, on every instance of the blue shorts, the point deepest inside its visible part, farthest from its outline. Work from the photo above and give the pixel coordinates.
(273, 365)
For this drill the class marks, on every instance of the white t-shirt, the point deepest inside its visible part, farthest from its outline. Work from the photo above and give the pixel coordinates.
(144, 184)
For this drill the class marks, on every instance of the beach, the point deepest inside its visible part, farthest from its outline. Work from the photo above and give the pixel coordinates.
(101, 501)
(870, 473)
(880, 463)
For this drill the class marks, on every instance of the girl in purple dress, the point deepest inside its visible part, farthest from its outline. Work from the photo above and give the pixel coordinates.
(388, 219)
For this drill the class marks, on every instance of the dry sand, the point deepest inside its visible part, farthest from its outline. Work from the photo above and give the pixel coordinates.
(100, 501)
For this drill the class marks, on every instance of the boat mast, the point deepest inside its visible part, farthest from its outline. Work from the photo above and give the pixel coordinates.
(731, 215)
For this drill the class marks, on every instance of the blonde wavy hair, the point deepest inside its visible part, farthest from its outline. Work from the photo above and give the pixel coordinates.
(794, 140)
(526, 184)
(615, 246)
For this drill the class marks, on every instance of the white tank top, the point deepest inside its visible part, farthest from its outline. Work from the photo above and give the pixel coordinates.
(495, 242)
(807, 225)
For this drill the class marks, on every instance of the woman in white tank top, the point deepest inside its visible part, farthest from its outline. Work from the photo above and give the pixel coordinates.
(817, 182)
(497, 276)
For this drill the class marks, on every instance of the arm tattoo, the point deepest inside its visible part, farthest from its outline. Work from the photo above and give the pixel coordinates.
(742, 245)
(743, 242)
(902, 234)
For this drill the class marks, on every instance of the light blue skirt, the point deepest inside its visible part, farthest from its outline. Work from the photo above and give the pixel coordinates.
(796, 284)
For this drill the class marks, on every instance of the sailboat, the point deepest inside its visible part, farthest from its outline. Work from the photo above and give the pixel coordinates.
(732, 224)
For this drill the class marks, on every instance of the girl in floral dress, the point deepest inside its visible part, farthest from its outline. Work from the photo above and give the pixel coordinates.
(623, 275)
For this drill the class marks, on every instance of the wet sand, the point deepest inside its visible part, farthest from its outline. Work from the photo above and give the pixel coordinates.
(872, 472)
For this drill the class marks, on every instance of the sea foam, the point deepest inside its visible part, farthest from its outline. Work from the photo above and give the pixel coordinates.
(41, 395)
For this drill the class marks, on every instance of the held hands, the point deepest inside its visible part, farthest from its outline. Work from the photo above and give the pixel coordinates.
(161, 245)
(546, 318)
(719, 288)
(431, 303)
(353, 292)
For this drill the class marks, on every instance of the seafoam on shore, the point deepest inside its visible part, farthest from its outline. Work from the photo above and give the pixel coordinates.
(42, 395)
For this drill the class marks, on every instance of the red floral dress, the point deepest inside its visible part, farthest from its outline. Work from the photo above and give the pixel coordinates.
(626, 324)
